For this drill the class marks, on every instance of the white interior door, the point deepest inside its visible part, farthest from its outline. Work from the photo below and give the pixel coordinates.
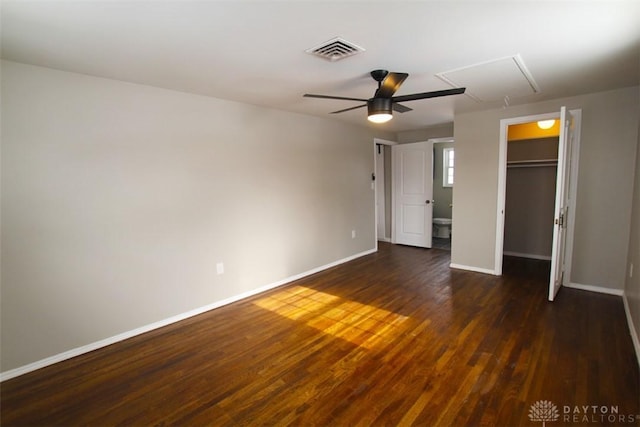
(562, 205)
(380, 199)
(412, 183)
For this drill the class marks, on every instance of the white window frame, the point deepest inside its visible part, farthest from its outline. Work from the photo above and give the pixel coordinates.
(446, 166)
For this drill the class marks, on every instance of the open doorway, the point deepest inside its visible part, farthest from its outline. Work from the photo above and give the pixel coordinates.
(382, 184)
(443, 182)
(532, 163)
(562, 227)
(439, 172)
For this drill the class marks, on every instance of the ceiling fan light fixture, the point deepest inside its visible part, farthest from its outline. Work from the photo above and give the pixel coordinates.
(546, 124)
(380, 107)
(379, 110)
(380, 118)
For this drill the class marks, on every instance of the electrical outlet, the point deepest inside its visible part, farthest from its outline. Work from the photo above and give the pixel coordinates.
(219, 268)
(353, 234)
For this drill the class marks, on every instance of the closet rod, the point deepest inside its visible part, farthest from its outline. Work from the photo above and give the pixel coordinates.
(532, 163)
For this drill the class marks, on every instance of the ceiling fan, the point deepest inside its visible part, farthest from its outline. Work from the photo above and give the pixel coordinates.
(382, 104)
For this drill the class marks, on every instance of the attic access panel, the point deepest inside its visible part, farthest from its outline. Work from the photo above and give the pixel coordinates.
(493, 80)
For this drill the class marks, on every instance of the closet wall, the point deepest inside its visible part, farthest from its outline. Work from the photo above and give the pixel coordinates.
(530, 197)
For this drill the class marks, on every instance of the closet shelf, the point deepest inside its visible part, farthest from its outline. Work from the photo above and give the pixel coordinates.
(532, 163)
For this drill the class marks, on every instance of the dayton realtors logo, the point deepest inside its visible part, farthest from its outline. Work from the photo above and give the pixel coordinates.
(546, 411)
(543, 410)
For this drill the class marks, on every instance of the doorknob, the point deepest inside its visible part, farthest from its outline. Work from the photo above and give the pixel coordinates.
(430, 201)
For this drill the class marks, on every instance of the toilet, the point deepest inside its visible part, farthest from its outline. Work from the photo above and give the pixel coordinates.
(442, 227)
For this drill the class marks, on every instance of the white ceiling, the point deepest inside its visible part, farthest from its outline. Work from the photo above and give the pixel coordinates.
(254, 51)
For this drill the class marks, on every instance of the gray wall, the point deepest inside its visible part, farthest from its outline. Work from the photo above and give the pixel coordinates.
(632, 285)
(529, 209)
(440, 131)
(533, 149)
(607, 163)
(119, 199)
(443, 196)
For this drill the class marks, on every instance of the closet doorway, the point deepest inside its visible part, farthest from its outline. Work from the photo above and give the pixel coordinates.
(536, 158)
(532, 164)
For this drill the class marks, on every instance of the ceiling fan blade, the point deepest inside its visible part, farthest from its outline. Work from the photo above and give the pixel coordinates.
(310, 95)
(390, 85)
(348, 109)
(425, 95)
(400, 108)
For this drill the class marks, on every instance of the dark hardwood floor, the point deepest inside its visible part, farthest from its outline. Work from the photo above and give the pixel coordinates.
(394, 338)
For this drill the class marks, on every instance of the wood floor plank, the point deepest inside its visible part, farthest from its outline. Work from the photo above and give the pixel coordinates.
(393, 338)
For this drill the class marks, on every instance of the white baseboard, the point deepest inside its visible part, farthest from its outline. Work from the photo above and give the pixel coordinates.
(474, 269)
(632, 328)
(591, 288)
(147, 328)
(384, 239)
(531, 256)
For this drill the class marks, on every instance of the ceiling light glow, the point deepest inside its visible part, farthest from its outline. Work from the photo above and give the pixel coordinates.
(380, 118)
(546, 124)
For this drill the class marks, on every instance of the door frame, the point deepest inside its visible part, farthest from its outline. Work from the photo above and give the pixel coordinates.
(379, 180)
(502, 185)
(380, 177)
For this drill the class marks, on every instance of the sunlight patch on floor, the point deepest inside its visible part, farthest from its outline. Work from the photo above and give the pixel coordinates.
(360, 324)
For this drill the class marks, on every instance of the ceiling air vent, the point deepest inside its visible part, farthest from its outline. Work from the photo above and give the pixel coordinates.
(335, 49)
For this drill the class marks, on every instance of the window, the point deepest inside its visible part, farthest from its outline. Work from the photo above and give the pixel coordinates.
(447, 169)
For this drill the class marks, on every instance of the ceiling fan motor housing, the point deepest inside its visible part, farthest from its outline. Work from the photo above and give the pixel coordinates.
(379, 75)
(379, 106)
